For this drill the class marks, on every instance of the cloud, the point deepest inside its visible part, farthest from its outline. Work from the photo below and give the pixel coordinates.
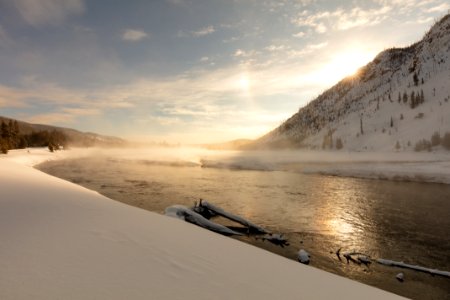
(341, 19)
(62, 116)
(439, 8)
(82, 111)
(299, 34)
(133, 35)
(243, 53)
(203, 31)
(273, 48)
(425, 20)
(52, 118)
(11, 97)
(44, 12)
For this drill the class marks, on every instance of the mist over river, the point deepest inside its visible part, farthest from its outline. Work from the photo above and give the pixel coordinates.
(402, 221)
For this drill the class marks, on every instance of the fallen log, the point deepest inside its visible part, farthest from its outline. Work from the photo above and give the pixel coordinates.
(401, 264)
(186, 214)
(211, 209)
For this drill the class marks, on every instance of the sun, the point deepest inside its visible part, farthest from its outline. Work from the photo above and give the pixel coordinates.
(343, 64)
(244, 82)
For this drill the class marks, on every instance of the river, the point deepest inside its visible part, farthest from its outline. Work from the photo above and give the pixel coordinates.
(402, 221)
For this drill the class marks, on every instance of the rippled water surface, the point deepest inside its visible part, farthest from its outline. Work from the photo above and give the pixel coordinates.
(401, 221)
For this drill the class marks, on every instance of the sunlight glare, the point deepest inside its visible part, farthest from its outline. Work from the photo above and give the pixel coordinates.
(244, 82)
(344, 64)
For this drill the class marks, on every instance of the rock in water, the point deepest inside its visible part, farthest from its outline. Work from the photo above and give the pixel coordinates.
(400, 277)
(303, 257)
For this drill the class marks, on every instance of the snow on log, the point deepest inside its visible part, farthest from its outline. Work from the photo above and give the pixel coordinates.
(401, 264)
(400, 277)
(219, 211)
(184, 213)
(303, 257)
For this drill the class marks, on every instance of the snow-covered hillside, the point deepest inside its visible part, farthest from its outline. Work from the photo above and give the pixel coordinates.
(395, 102)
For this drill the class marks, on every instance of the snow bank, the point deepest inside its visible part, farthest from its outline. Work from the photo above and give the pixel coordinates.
(62, 241)
(34, 156)
(400, 166)
(424, 171)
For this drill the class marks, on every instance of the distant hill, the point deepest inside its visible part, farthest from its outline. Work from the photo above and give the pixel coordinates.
(75, 137)
(396, 102)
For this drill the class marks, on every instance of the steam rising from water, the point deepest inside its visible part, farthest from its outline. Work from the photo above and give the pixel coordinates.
(393, 166)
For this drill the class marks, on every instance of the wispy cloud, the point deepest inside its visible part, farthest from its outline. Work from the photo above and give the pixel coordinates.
(245, 53)
(62, 116)
(299, 34)
(198, 33)
(45, 12)
(11, 97)
(439, 8)
(52, 118)
(341, 19)
(273, 48)
(204, 31)
(82, 111)
(133, 35)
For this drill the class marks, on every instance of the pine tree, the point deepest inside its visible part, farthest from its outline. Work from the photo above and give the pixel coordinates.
(13, 133)
(445, 141)
(361, 125)
(5, 134)
(416, 79)
(435, 139)
(392, 122)
(3, 146)
(405, 97)
(399, 97)
(422, 97)
(413, 100)
(339, 144)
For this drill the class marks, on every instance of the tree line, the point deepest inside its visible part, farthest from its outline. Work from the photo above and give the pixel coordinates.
(12, 138)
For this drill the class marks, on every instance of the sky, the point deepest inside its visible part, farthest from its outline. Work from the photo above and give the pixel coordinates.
(189, 71)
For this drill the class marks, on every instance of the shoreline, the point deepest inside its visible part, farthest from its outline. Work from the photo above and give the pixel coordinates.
(64, 240)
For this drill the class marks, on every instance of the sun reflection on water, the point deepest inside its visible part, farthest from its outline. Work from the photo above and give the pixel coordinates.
(343, 216)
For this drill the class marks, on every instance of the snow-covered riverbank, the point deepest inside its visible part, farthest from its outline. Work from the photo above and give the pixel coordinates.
(400, 166)
(60, 240)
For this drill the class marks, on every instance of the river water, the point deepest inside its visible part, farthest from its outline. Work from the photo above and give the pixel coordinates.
(402, 221)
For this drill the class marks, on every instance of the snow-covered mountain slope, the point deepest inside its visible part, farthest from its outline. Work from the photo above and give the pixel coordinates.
(395, 102)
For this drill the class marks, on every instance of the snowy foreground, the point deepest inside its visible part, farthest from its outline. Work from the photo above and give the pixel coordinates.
(62, 241)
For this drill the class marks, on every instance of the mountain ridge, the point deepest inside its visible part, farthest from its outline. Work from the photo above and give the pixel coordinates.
(369, 110)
